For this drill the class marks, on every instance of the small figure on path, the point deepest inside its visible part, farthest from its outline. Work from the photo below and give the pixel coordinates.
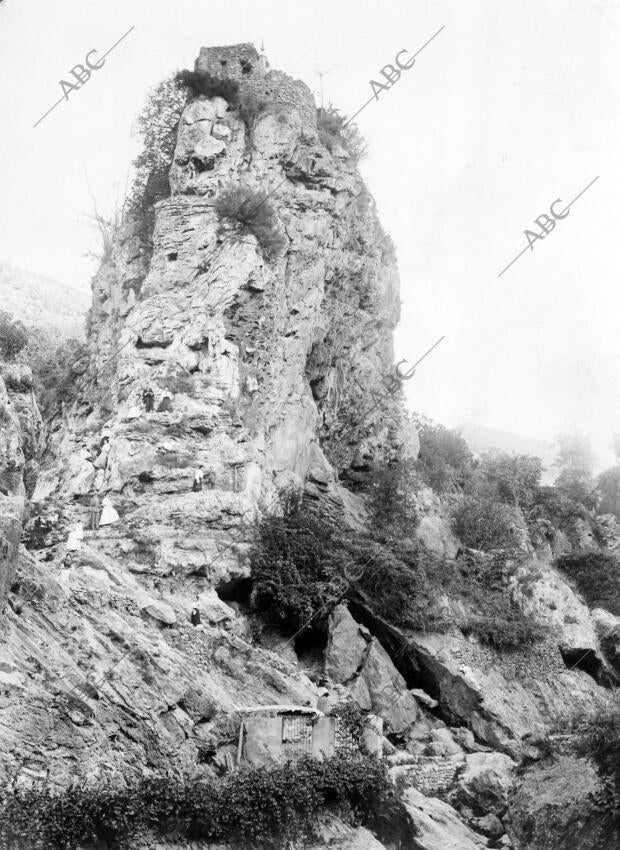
(197, 483)
(76, 535)
(104, 450)
(108, 513)
(324, 702)
(148, 399)
(165, 404)
(94, 508)
(210, 479)
(195, 615)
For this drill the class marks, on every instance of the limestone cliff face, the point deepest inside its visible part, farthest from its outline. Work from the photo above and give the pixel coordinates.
(20, 435)
(265, 360)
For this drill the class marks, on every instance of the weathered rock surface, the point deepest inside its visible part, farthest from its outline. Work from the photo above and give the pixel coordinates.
(608, 632)
(552, 808)
(357, 660)
(436, 826)
(486, 782)
(20, 434)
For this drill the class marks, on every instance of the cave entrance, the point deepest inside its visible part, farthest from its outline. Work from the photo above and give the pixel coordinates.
(582, 659)
(236, 590)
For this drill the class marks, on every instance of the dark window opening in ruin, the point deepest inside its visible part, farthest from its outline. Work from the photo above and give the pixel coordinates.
(172, 255)
(582, 659)
(223, 63)
(246, 66)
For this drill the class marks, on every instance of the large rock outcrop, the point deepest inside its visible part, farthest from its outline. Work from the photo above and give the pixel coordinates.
(20, 432)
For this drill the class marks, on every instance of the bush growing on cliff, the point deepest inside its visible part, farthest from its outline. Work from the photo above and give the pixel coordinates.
(334, 129)
(482, 523)
(13, 336)
(444, 461)
(250, 107)
(512, 478)
(207, 85)
(252, 209)
(156, 125)
(391, 502)
(296, 567)
(597, 576)
(269, 807)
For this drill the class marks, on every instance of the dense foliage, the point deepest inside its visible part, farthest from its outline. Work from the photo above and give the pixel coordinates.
(444, 461)
(575, 460)
(252, 209)
(13, 336)
(390, 499)
(269, 807)
(597, 576)
(208, 85)
(156, 126)
(296, 567)
(483, 523)
(334, 129)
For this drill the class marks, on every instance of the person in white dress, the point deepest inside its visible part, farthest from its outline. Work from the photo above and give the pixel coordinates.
(108, 513)
(76, 535)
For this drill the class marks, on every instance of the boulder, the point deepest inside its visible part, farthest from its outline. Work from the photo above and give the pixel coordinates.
(486, 782)
(388, 692)
(436, 826)
(346, 645)
(212, 609)
(489, 825)
(157, 609)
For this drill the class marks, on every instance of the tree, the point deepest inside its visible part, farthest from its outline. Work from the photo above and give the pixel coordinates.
(391, 502)
(515, 479)
(156, 125)
(13, 336)
(444, 461)
(575, 461)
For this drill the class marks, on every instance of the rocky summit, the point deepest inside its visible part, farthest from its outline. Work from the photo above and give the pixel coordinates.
(238, 343)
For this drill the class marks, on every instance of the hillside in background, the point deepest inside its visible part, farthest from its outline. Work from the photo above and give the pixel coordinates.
(37, 300)
(481, 439)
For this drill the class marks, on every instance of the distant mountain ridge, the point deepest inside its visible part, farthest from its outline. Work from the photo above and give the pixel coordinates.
(41, 301)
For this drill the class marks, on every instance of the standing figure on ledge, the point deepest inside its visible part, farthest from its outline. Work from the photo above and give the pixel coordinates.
(148, 399)
(108, 513)
(195, 615)
(197, 484)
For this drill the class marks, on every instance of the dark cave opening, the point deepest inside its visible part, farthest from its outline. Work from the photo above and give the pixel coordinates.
(582, 659)
(235, 590)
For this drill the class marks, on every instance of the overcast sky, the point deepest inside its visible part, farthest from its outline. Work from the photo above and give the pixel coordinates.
(512, 106)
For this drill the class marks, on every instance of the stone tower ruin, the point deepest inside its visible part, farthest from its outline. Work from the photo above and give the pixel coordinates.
(240, 62)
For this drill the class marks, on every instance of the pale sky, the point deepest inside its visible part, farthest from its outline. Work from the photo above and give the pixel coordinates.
(512, 106)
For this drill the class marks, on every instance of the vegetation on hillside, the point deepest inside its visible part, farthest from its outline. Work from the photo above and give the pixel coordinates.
(13, 336)
(254, 211)
(336, 130)
(202, 83)
(597, 576)
(270, 807)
